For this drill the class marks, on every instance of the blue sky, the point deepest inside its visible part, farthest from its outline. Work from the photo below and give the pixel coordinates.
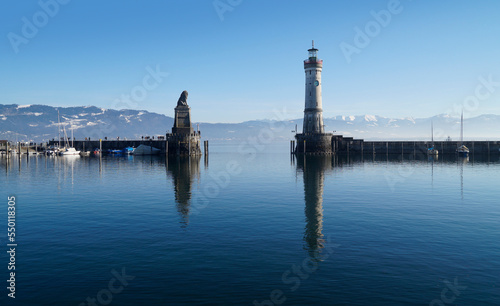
(428, 59)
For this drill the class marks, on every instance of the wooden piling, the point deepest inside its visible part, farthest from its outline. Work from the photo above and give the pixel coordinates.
(304, 146)
(205, 147)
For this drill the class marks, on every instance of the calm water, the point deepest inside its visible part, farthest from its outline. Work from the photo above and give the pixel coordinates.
(254, 229)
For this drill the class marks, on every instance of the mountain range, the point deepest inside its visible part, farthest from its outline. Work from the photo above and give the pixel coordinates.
(38, 123)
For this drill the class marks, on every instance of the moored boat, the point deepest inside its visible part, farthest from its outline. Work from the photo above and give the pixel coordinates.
(85, 153)
(69, 151)
(462, 151)
(146, 150)
(432, 151)
(128, 150)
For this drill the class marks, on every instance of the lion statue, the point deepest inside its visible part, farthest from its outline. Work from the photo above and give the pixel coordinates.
(183, 98)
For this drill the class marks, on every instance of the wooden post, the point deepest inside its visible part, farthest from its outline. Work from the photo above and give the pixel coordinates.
(166, 148)
(205, 146)
(304, 146)
(386, 148)
(100, 147)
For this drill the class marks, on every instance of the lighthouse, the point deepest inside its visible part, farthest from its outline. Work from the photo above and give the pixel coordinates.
(313, 112)
(313, 139)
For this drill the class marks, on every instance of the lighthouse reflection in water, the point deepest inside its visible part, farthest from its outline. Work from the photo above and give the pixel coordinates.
(314, 169)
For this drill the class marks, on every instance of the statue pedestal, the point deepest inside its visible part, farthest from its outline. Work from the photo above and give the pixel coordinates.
(182, 120)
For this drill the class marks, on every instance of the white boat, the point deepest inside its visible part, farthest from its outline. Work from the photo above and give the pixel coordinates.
(70, 151)
(462, 150)
(146, 150)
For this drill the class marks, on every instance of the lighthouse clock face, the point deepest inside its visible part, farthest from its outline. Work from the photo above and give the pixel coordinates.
(316, 83)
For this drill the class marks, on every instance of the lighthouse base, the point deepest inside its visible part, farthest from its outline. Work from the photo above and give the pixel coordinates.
(315, 143)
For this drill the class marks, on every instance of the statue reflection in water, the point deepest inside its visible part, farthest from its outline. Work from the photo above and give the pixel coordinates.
(314, 169)
(183, 170)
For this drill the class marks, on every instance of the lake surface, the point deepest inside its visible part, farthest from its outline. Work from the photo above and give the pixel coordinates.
(254, 229)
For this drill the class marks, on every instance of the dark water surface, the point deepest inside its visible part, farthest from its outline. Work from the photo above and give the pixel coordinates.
(253, 229)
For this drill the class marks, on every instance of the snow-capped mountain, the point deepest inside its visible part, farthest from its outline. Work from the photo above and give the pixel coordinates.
(40, 123)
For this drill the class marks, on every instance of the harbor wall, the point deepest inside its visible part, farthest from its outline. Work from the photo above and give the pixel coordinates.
(340, 145)
(348, 145)
(173, 144)
(416, 147)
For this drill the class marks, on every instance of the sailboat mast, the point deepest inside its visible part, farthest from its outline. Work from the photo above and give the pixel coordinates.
(58, 128)
(462, 129)
(432, 133)
(72, 138)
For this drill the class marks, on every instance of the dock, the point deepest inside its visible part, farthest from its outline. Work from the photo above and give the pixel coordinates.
(351, 146)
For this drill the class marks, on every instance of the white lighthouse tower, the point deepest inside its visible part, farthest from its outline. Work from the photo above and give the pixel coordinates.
(313, 111)
(313, 139)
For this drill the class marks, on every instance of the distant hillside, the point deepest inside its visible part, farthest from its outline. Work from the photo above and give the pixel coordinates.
(39, 123)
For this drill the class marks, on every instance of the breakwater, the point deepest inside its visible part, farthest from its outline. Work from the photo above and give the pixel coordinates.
(88, 145)
(347, 145)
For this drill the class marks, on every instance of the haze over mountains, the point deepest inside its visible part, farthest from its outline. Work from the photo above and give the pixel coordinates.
(39, 123)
